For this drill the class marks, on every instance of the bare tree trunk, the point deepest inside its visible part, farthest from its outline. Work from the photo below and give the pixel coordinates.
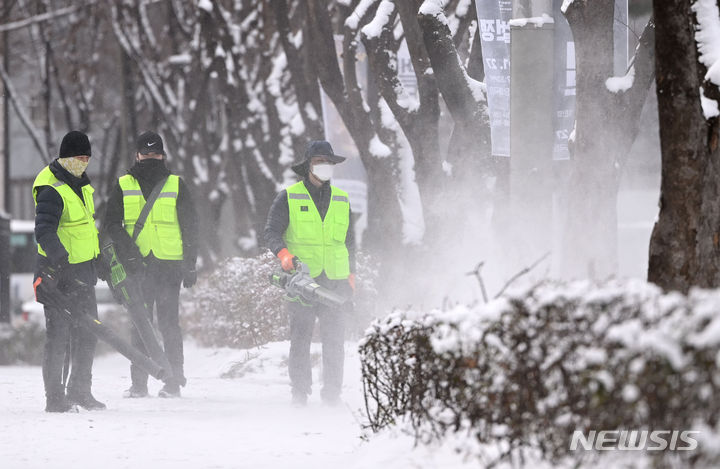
(468, 164)
(419, 125)
(684, 247)
(384, 232)
(467, 109)
(606, 125)
(307, 90)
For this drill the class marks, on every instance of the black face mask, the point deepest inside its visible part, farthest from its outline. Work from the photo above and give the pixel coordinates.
(150, 163)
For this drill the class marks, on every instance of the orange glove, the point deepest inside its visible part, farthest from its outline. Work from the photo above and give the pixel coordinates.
(351, 281)
(286, 259)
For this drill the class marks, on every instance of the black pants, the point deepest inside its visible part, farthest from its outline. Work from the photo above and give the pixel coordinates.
(331, 323)
(161, 290)
(63, 336)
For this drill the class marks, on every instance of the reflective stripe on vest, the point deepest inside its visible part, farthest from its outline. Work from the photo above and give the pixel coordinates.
(319, 243)
(76, 230)
(161, 233)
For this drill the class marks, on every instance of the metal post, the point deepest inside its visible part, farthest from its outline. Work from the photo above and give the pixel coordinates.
(531, 137)
(530, 8)
(4, 133)
(4, 268)
(4, 195)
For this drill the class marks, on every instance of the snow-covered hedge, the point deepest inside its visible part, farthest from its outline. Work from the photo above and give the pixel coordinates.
(236, 306)
(365, 300)
(22, 345)
(524, 371)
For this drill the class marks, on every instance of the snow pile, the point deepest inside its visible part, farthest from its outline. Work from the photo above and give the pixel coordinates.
(205, 5)
(621, 84)
(381, 19)
(709, 106)
(565, 5)
(708, 37)
(378, 149)
(434, 8)
(537, 21)
(523, 372)
(236, 306)
(356, 16)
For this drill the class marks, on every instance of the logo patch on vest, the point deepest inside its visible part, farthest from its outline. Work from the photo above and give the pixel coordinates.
(303, 208)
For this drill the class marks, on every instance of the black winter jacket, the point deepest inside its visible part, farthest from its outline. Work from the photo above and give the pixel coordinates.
(47, 218)
(279, 219)
(148, 173)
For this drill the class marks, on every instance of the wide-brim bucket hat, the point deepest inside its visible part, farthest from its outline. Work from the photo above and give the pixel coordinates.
(316, 148)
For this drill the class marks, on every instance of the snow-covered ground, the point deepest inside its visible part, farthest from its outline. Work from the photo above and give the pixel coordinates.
(242, 422)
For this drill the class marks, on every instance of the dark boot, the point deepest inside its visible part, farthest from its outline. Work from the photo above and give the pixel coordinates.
(85, 400)
(170, 390)
(59, 403)
(330, 398)
(136, 392)
(299, 399)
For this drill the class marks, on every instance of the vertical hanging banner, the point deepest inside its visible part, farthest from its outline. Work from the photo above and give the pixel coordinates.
(564, 118)
(493, 17)
(620, 37)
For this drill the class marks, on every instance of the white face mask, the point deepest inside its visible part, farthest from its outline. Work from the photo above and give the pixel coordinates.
(73, 165)
(323, 171)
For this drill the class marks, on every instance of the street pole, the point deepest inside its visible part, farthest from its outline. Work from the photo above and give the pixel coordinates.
(531, 136)
(4, 194)
(5, 119)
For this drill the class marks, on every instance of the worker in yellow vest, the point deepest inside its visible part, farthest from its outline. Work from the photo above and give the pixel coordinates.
(311, 221)
(68, 246)
(163, 253)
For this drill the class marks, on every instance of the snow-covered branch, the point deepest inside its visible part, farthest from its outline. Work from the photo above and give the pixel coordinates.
(22, 115)
(463, 95)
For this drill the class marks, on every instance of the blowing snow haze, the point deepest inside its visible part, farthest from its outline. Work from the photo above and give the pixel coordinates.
(506, 194)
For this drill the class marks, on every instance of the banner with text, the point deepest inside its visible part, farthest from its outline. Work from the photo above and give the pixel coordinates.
(564, 106)
(493, 17)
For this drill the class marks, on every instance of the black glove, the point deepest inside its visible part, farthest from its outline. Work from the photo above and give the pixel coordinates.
(49, 277)
(60, 276)
(101, 268)
(134, 264)
(189, 278)
(57, 275)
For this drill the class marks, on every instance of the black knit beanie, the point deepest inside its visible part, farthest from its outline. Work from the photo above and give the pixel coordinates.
(74, 143)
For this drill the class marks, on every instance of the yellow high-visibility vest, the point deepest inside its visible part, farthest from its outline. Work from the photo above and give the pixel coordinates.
(161, 233)
(316, 242)
(76, 230)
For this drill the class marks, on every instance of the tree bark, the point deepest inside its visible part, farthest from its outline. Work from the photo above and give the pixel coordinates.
(384, 232)
(606, 125)
(307, 91)
(420, 126)
(684, 248)
(470, 145)
(468, 164)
